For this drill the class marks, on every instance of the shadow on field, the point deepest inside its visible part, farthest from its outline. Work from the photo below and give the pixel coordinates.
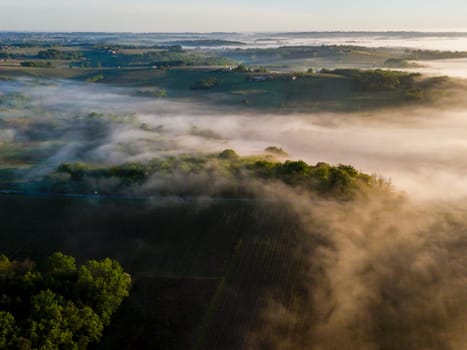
(202, 272)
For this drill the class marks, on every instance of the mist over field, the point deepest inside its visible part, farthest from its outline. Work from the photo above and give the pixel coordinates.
(384, 273)
(419, 149)
(430, 40)
(450, 67)
(417, 40)
(384, 270)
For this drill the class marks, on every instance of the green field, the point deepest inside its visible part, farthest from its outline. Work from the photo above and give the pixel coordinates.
(281, 82)
(261, 92)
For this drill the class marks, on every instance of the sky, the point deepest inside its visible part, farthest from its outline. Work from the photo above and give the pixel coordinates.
(238, 15)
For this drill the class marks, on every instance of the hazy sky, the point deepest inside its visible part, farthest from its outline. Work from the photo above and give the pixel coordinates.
(238, 15)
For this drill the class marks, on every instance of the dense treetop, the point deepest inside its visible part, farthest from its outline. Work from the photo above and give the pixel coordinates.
(228, 168)
(60, 305)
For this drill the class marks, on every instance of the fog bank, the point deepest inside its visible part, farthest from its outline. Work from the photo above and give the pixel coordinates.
(421, 150)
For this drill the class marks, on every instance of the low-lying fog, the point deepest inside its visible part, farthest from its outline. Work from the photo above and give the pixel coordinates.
(428, 42)
(456, 41)
(450, 67)
(384, 274)
(422, 151)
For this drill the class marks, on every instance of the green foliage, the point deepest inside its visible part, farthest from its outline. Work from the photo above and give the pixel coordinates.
(414, 94)
(204, 84)
(5, 265)
(8, 330)
(206, 42)
(434, 54)
(53, 54)
(76, 170)
(35, 64)
(229, 154)
(126, 172)
(104, 285)
(154, 92)
(374, 80)
(242, 68)
(61, 264)
(399, 63)
(409, 85)
(261, 70)
(61, 307)
(340, 181)
(296, 52)
(168, 58)
(95, 78)
(160, 56)
(56, 323)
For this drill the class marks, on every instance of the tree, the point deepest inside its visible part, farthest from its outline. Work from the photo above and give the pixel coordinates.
(59, 307)
(204, 84)
(61, 264)
(8, 330)
(229, 154)
(47, 329)
(5, 266)
(61, 274)
(58, 323)
(295, 167)
(340, 180)
(85, 325)
(242, 68)
(261, 70)
(103, 285)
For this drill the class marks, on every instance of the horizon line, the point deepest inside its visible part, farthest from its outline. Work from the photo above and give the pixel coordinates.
(419, 31)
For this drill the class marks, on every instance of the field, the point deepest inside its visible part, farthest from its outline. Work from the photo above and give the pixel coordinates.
(199, 269)
(257, 92)
(276, 80)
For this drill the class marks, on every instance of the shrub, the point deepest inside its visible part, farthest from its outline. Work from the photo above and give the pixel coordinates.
(204, 84)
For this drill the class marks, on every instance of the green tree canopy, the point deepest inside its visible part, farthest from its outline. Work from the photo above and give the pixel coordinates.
(8, 330)
(60, 306)
(104, 285)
